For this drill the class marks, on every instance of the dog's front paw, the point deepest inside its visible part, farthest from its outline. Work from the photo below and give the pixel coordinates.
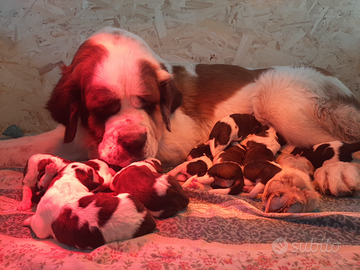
(338, 179)
(290, 192)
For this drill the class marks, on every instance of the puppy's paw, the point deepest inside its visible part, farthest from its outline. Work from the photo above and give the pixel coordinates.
(23, 206)
(338, 179)
(50, 170)
(290, 192)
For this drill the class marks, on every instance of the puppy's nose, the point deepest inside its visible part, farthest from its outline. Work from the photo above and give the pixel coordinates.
(133, 140)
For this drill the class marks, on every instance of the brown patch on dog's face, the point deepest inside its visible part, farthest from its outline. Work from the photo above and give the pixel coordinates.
(126, 119)
(123, 96)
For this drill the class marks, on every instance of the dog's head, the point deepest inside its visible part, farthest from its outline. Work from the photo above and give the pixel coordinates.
(120, 92)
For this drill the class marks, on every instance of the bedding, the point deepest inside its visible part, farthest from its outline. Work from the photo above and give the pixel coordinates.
(214, 232)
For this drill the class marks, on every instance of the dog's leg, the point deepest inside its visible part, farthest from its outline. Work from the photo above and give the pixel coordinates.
(15, 152)
(338, 179)
(26, 199)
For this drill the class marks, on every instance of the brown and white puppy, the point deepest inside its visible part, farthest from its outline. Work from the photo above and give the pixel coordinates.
(39, 170)
(119, 101)
(161, 194)
(227, 170)
(42, 168)
(197, 164)
(73, 215)
(259, 161)
(235, 127)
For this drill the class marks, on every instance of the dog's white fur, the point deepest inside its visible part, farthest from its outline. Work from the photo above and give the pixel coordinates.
(66, 193)
(65, 190)
(307, 106)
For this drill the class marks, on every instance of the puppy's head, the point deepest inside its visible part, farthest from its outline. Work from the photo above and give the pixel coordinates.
(120, 92)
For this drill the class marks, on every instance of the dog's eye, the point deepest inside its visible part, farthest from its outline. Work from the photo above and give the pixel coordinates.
(107, 110)
(145, 104)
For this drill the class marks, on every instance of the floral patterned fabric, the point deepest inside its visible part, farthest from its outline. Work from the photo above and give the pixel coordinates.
(215, 232)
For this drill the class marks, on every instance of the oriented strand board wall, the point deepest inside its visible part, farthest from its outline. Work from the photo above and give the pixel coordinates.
(36, 36)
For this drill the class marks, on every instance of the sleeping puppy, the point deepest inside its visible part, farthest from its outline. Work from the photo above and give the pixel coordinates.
(259, 160)
(227, 171)
(198, 163)
(249, 165)
(161, 194)
(121, 102)
(39, 170)
(73, 215)
(42, 168)
(291, 190)
(235, 127)
(325, 153)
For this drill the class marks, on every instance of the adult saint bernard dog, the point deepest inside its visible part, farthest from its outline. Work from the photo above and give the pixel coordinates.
(120, 102)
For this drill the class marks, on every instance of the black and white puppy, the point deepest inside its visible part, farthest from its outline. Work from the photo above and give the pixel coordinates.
(73, 215)
(161, 194)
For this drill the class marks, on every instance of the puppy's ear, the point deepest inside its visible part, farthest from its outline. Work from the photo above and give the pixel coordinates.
(64, 103)
(170, 99)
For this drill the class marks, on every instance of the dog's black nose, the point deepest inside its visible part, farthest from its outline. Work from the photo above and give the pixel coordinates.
(133, 141)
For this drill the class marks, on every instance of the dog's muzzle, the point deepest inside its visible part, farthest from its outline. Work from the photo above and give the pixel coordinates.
(124, 144)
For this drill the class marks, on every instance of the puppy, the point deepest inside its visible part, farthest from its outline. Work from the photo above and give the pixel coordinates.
(39, 170)
(42, 168)
(259, 161)
(73, 215)
(198, 162)
(291, 190)
(226, 172)
(161, 194)
(327, 152)
(235, 127)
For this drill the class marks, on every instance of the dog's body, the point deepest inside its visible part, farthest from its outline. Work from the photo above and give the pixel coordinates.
(119, 101)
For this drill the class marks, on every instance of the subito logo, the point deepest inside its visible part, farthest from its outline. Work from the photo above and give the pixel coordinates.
(280, 246)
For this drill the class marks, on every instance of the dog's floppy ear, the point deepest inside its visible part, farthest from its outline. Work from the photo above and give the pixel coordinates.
(64, 103)
(170, 99)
